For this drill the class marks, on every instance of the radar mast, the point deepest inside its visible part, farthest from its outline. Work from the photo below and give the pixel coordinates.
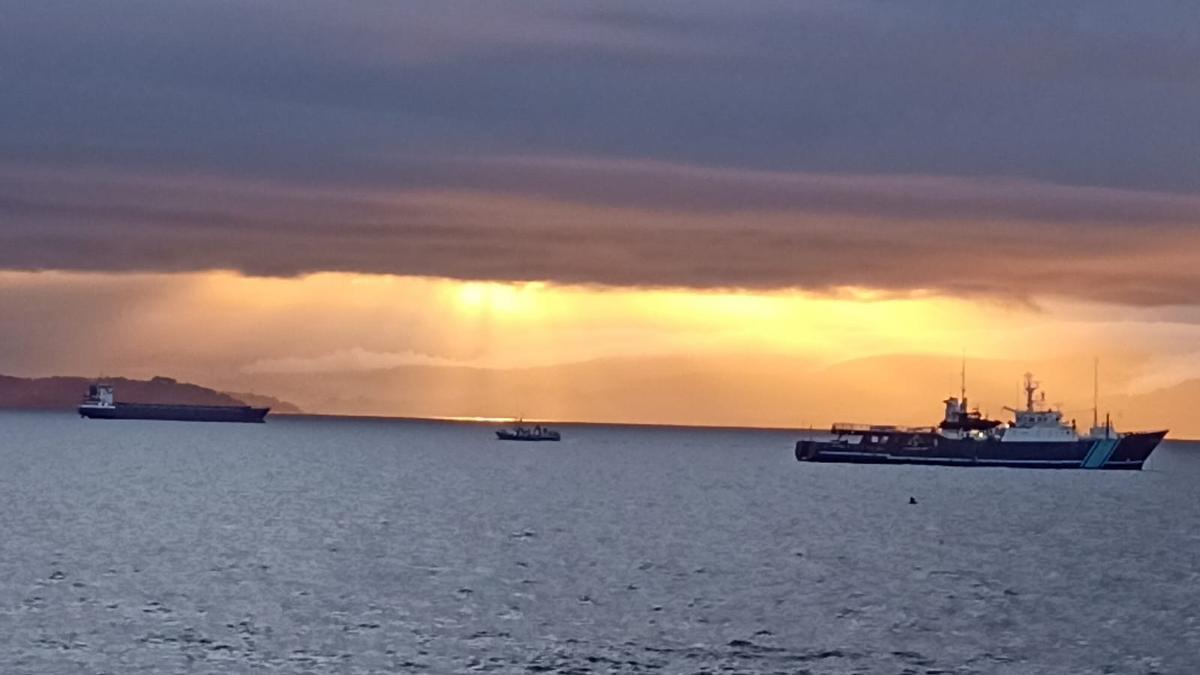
(1030, 387)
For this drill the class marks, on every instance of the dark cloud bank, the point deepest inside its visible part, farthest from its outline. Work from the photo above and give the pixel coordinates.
(1008, 149)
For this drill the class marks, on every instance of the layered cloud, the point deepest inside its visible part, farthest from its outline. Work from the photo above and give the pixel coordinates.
(622, 224)
(1019, 150)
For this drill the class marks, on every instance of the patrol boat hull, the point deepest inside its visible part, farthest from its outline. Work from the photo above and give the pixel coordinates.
(1125, 452)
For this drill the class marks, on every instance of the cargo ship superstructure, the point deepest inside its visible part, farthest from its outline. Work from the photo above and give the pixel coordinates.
(101, 404)
(1037, 438)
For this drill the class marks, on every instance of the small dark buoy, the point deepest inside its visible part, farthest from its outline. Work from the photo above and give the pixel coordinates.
(912, 500)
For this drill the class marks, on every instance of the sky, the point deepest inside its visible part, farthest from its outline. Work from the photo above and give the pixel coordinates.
(235, 191)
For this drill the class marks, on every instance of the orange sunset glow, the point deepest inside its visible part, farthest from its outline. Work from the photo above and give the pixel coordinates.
(409, 346)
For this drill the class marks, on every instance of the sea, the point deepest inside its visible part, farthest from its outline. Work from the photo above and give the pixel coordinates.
(338, 545)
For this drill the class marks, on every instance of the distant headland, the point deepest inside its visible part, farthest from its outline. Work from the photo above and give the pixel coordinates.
(52, 393)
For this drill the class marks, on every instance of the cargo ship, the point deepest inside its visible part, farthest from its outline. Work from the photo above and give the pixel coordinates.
(1036, 438)
(100, 404)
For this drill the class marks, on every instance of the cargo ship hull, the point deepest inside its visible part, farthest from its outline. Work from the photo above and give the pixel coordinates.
(1126, 452)
(177, 413)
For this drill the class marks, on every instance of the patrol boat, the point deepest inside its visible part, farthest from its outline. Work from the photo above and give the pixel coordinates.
(1037, 438)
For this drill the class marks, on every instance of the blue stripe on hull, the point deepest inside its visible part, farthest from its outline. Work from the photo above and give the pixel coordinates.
(1099, 453)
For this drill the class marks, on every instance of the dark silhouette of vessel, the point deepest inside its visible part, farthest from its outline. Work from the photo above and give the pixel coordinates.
(101, 405)
(522, 433)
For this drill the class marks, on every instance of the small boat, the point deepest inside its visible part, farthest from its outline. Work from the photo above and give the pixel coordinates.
(522, 433)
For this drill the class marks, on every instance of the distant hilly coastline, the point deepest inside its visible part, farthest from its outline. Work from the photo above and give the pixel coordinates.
(49, 393)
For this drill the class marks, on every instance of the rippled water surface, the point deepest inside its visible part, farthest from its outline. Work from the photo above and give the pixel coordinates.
(312, 545)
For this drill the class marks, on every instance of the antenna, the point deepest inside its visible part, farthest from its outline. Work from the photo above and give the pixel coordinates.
(963, 380)
(1095, 392)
